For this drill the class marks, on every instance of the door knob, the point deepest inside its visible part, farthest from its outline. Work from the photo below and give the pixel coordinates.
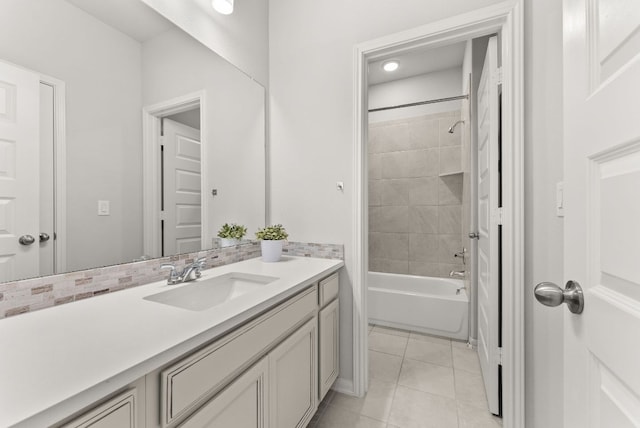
(549, 294)
(44, 237)
(26, 240)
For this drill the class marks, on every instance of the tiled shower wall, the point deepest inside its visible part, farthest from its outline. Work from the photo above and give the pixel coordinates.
(415, 195)
(29, 295)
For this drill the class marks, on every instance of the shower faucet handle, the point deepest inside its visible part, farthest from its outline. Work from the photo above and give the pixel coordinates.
(462, 254)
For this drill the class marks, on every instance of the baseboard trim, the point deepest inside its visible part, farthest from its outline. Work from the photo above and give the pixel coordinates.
(344, 386)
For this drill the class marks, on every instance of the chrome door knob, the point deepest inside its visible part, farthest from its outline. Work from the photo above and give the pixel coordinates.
(26, 240)
(44, 237)
(549, 294)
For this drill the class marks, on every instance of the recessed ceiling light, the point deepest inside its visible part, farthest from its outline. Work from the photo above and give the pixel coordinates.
(390, 65)
(225, 7)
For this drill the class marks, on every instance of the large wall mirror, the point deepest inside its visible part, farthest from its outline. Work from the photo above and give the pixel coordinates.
(136, 140)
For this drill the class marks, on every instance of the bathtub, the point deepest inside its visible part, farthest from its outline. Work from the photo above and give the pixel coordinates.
(417, 303)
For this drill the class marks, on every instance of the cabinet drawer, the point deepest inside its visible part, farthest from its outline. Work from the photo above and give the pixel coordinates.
(242, 404)
(329, 288)
(194, 379)
(120, 411)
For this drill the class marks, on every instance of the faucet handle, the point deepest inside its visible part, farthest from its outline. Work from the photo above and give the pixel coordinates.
(198, 265)
(457, 274)
(462, 254)
(173, 275)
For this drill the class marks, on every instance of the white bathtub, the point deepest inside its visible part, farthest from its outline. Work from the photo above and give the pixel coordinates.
(416, 303)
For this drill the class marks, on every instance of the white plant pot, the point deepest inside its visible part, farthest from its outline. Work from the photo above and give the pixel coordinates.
(271, 250)
(228, 242)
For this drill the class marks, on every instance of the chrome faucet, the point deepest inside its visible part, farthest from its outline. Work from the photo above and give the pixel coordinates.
(174, 277)
(457, 274)
(193, 271)
(190, 273)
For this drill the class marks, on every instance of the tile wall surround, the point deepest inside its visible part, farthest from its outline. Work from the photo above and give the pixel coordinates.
(415, 208)
(29, 295)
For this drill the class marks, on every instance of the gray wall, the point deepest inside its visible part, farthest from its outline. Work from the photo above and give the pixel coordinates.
(235, 125)
(101, 69)
(544, 231)
(311, 84)
(241, 38)
(311, 88)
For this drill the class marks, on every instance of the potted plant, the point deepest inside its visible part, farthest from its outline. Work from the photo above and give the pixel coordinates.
(231, 234)
(272, 239)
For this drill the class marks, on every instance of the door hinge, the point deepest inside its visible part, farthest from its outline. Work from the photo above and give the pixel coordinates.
(162, 215)
(499, 356)
(498, 76)
(498, 216)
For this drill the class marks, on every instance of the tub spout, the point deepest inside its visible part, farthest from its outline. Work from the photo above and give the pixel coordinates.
(457, 274)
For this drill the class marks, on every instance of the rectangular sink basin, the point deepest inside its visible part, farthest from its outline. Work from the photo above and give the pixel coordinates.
(206, 293)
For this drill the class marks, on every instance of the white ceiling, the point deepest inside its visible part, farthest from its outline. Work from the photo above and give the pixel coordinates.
(417, 62)
(133, 18)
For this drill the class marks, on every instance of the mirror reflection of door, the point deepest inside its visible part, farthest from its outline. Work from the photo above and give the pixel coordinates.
(19, 128)
(181, 202)
(30, 113)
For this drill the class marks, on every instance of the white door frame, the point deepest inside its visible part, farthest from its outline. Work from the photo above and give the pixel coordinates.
(59, 171)
(151, 116)
(507, 19)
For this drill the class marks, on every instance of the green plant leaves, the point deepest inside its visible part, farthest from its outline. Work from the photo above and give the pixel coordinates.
(232, 231)
(272, 233)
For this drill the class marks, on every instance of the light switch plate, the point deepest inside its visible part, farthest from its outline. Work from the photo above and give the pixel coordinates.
(103, 208)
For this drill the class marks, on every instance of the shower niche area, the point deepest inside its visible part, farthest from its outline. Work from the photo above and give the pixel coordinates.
(419, 199)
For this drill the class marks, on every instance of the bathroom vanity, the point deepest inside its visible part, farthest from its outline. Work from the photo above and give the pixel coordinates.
(262, 352)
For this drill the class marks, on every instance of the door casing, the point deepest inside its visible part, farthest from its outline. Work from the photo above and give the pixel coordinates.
(507, 19)
(59, 171)
(151, 116)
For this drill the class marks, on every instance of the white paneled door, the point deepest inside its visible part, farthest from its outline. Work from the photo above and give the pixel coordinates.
(182, 188)
(602, 211)
(19, 179)
(488, 219)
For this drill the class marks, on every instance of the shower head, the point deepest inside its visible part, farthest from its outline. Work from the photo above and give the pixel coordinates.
(454, 126)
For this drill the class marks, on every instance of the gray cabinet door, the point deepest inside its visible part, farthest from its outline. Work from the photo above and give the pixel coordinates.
(329, 340)
(242, 404)
(293, 378)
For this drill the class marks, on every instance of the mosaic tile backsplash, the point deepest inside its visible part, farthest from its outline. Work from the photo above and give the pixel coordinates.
(29, 295)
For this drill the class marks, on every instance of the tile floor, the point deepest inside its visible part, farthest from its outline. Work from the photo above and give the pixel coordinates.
(415, 381)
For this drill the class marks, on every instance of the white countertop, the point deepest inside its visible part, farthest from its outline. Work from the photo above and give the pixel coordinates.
(56, 361)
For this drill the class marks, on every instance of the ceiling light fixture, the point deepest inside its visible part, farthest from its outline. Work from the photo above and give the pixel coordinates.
(224, 7)
(390, 65)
